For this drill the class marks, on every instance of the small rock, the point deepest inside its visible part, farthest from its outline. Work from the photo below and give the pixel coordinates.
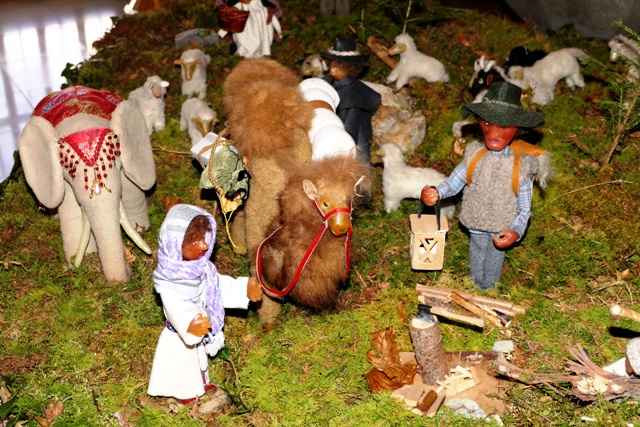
(505, 346)
(198, 36)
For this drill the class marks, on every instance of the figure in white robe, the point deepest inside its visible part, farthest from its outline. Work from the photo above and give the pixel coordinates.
(255, 41)
(189, 289)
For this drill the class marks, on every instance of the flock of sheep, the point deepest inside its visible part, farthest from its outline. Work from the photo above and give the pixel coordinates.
(394, 122)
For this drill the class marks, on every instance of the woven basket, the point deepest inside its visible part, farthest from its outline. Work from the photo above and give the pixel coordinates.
(231, 19)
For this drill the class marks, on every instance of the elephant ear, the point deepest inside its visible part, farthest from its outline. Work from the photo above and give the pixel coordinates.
(40, 156)
(135, 147)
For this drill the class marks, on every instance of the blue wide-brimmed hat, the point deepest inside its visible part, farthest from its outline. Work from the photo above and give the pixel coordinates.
(501, 106)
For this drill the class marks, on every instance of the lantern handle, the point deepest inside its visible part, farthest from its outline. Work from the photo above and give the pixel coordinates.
(437, 210)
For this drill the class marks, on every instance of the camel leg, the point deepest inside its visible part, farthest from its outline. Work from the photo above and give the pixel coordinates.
(268, 310)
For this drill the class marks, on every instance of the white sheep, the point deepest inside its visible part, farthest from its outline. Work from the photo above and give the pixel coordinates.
(400, 181)
(194, 72)
(149, 98)
(543, 76)
(314, 66)
(621, 45)
(198, 118)
(413, 63)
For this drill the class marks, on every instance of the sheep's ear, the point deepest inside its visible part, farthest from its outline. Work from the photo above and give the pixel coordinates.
(310, 189)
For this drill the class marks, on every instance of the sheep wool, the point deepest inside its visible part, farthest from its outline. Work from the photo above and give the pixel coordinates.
(489, 203)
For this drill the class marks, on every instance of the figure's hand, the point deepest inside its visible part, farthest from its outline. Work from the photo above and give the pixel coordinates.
(254, 289)
(199, 326)
(429, 195)
(506, 238)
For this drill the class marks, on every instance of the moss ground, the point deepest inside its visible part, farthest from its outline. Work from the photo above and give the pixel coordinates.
(69, 336)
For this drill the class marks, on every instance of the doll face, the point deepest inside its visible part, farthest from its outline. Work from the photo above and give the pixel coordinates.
(194, 244)
(497, 137)
(194, 249)
(337, 70)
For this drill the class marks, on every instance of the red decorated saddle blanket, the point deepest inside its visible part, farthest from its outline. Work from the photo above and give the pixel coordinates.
(73, 100)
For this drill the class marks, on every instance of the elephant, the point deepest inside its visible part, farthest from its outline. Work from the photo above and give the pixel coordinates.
(86, 154)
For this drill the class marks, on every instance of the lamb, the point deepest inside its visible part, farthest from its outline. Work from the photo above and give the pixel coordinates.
(621, 45)
(314, 66)
(414, 64)
(543, 76)
(194, 72)
(400, 181)
(198, 118)
(149, 98)
(523, 57)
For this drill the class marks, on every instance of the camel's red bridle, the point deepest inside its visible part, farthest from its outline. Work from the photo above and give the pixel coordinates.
(309, 251)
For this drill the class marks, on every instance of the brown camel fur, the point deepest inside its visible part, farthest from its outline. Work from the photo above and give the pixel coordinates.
(268, 120)
(335, 181)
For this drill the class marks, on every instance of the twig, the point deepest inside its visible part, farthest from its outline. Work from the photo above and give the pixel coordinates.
(7, 263)
(161, 148)
(617, 181)
(404, 26)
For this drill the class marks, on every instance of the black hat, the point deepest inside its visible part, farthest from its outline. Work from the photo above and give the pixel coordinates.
(501, 106)
(345, 50)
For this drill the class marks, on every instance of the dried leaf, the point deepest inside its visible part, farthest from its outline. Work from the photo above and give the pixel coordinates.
(463, 38)
(626, 274)
(378, 381)
(388, 372)
(42, 422)
(388, 351)
(169, 202)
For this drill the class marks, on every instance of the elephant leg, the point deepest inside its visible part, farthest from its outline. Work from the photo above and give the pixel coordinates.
(135, 203)
(104, 217)
(70, 216)
(268, 310)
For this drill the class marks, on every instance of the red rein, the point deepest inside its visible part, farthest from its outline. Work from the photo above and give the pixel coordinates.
(308, 253)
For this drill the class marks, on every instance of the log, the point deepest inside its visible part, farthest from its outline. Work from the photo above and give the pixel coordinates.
(380, 50)
(429, 352)
(439, 311)
(627, 313)
(496, 304)
(475, 309)
(427, 400)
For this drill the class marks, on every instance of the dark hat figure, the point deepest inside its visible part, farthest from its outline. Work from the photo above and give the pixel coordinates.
(501, 106)
(345, 50)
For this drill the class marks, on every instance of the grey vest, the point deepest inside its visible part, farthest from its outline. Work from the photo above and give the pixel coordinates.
(489, 203)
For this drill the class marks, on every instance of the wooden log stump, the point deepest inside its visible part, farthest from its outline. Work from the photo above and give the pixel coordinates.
(428, 349)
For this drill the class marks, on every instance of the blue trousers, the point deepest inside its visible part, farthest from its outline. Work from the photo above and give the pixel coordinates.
(485, 260)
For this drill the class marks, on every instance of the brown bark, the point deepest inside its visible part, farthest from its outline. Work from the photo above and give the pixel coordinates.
(380, 50)
(475, 309)
(505, 307)
(428, 350)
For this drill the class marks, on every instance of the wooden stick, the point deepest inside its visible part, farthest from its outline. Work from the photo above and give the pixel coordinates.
(475, 309)
(620, 311)
(493, 303)
(427, 400)
(380, 50)
(439, 311)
